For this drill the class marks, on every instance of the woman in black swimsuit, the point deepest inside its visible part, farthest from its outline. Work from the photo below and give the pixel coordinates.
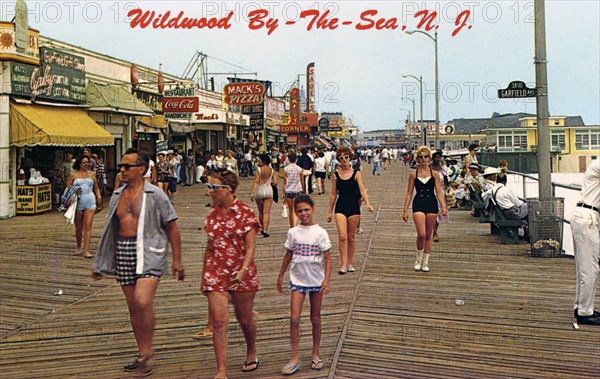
(347, 189)
(424, 206)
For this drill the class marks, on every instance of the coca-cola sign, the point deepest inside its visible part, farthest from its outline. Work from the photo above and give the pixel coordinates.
(180, 104)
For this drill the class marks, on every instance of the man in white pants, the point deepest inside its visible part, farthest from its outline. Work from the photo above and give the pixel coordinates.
(586, 240)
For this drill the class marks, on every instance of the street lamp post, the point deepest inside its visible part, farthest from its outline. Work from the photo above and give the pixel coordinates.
(437, 83)
(407, 110)
(413, 111)
(422, 128)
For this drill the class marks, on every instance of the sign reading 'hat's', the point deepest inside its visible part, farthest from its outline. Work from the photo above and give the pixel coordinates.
(517, 89)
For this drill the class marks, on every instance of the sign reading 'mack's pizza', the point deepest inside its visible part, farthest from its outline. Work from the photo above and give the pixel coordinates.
(244, 93)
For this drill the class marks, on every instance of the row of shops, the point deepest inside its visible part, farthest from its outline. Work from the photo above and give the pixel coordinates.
(58, 99)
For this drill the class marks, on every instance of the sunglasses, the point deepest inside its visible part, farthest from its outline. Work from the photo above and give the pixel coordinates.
(423, 156)
(344, 157)
(214, 187)
(127, 166)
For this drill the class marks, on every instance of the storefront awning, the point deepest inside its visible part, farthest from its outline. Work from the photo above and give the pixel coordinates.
(114, 98)
(158, 121)
(323, 142)
(273, 131)
(37, 125)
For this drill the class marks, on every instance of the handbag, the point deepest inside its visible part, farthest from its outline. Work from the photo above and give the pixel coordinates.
(306, 172)
(275, 193)
(284, 212)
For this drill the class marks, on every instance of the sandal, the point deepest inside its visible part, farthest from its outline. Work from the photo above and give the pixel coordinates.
(204, 333)
(316, 364)
(254, 363)
(290, 369)
(88, 255)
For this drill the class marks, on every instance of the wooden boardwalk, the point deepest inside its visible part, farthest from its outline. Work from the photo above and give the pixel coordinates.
(384, 321)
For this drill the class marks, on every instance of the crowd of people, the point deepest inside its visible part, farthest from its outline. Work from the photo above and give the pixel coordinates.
(141, 224)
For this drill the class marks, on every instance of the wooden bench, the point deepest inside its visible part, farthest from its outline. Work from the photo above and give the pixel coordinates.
(509, 229)
(478, 204)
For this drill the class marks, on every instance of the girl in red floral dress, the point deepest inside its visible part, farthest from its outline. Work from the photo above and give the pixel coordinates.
(229, 270)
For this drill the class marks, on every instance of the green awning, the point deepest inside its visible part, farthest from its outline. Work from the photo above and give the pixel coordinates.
(114, 98)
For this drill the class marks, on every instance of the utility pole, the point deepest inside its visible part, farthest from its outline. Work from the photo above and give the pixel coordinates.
(422, 128)
(541, 79)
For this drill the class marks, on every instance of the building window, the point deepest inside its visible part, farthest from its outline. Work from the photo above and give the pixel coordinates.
(512, 141)
(558, 142)
(520, 142)
(505, 141)
(587, 139)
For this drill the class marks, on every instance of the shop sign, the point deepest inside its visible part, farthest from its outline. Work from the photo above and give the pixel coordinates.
(310, 84)
(244, 93)
(257, 116)
(302, 128)
(294, 106)
(148, 79)
(284, 119)
(21, 25)
(274, 108)
(151, 100)
(34, 199)
(61, 76)
(311, 119)
(162, 145)
(188, 104)
(323, 123)
(210, 117)
(236, 118)
(231, 132)
(183, 91)
(331, 129)
(178, 116)
(8, 49)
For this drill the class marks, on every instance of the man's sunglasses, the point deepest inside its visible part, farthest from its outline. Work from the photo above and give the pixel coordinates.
(127, 166)
(214, 187)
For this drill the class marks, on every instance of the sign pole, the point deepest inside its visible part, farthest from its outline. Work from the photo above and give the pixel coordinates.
(543, 128)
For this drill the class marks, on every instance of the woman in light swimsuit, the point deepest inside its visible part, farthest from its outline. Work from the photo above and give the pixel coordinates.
(89, 202)
(428, 190)
(262, 192)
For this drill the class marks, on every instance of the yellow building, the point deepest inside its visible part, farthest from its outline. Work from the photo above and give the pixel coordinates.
(573, 144)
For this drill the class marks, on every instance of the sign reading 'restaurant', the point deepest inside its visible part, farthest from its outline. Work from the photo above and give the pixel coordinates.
(244, 93)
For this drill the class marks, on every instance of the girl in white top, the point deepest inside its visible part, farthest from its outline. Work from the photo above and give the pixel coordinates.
(320, 172)
(292, 185)
(308, 250)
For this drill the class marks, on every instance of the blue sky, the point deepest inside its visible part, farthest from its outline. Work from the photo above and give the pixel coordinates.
(359, 72)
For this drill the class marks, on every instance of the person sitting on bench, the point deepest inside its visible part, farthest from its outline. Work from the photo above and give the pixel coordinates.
(512, 207)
